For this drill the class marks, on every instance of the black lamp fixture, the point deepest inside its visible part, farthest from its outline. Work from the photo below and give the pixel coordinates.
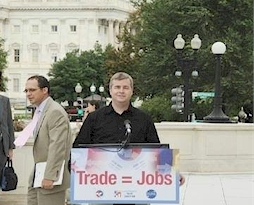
(217, 115)
(101, 90)
(78, 89)
(79, 102)
(186, 64)
(92, 90)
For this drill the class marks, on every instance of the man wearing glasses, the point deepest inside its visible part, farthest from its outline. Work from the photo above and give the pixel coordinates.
(52, 144)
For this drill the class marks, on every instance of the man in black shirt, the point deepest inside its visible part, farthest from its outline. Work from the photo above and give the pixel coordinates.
(108, 124)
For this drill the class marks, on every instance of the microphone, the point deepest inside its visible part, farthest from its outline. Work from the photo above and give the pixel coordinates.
(127, 124)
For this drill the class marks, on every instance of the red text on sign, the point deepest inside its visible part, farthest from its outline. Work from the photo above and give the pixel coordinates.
(155, 178)
(95, 179)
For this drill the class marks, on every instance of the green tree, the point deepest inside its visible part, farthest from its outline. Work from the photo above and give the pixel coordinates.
(157, 24)
(118, 60)
(84, 67)
(64, 75)
(3, 65)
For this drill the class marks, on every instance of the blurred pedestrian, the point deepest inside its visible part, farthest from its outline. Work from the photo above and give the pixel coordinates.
(92, 105)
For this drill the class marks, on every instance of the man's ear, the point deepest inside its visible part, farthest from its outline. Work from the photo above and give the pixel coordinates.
(45, 90)
(110, 91)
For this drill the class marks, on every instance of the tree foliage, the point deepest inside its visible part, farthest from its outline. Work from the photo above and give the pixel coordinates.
(3, 65)
(159, 109)
(159, 21)
(84, 67)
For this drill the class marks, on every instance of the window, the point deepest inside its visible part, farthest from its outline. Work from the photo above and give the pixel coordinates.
(53, 49)
(16, 28)
(16, 55)
(54, 57)
(16, 87)
(35, 55)
(103, 29)
(35, 28)
(53, 28)
(71, 47)
(73, 28)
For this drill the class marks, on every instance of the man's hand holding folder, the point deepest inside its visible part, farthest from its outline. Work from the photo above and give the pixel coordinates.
(39, 176)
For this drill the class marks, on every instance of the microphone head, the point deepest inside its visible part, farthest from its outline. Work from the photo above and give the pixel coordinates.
(127, 124)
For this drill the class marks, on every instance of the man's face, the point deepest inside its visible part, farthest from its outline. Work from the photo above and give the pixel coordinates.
(121, 91)
(33, 93)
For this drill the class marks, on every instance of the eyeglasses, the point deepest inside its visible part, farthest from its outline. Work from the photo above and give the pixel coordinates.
(31, 90)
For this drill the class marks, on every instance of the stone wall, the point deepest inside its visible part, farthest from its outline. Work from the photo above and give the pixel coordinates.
(207, 147)
(203, 148)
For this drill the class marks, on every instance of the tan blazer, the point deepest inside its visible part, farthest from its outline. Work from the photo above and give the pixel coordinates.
(53, 144)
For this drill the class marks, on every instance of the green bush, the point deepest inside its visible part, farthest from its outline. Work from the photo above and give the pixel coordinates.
(22, 116)
(202, 107)
(159, 108)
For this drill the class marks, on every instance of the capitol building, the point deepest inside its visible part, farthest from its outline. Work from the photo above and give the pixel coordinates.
(38, 33)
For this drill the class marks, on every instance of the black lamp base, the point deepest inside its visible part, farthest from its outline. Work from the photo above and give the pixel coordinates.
(217, 116)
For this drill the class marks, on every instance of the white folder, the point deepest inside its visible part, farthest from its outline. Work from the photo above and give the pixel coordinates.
(39, 174)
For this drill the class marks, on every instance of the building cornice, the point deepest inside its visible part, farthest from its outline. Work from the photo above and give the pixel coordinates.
(68, 9)
(4, 13)
(61, 8)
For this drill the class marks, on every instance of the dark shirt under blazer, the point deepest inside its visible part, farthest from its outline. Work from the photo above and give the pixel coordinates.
(107, 126)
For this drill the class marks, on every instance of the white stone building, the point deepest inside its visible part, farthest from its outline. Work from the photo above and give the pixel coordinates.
(37, 33)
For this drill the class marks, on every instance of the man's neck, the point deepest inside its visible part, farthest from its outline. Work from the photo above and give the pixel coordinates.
(120, 107)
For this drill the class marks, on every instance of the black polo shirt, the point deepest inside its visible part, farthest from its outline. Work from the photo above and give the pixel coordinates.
(106, 126)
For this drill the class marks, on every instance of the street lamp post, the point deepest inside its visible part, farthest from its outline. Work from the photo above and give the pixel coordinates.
(92, 89)
(101, 89)
(186, 64)
(217, 115)
(78, 90)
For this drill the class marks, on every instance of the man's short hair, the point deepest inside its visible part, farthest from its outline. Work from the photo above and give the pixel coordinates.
(120, 76)
(42, 81)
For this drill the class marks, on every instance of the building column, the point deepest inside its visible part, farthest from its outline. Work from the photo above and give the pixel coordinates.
(121, 30)
(44, 52)
(111, 32)
(116, 32)
(7, 44)
(63, 30)
(83, 34)
(25, 53)
(1, 28)
(92, 32)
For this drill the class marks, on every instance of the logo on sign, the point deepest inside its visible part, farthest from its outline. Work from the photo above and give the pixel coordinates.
(151, 194)
(99, 193)
(118, 194)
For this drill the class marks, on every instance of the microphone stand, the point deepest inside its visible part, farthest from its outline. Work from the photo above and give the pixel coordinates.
(126, 141)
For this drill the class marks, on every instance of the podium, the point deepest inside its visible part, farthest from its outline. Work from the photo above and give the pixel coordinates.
(137, 174)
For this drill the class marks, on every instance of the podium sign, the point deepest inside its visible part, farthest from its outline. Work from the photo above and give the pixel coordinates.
(132, 175)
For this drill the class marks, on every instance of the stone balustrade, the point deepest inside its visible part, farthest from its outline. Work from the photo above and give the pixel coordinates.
(211, 147)
(204, 147)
